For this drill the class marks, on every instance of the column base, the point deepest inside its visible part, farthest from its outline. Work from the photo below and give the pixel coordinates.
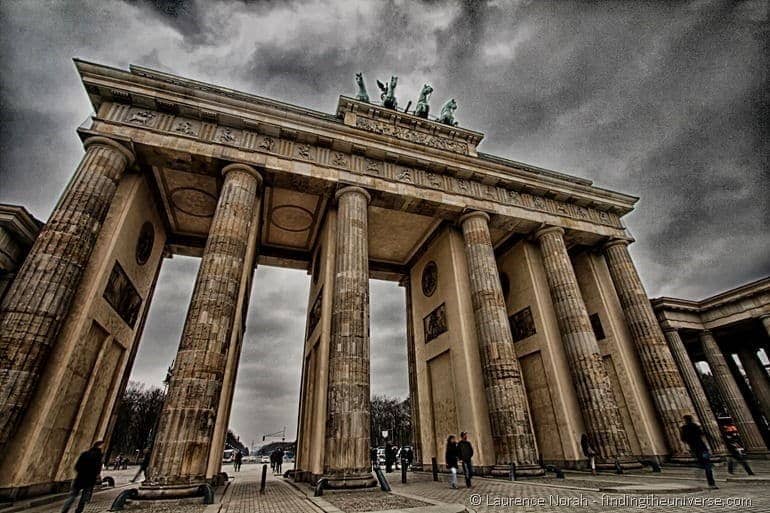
(524, 470)
(625, 464)
(162, 492)
(350, 481)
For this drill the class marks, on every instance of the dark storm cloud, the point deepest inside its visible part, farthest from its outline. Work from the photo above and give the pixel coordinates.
(664, 100)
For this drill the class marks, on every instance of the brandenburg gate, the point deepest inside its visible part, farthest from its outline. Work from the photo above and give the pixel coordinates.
(528, 324)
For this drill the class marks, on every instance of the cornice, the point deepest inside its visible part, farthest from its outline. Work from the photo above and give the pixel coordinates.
(22, 225)
(142, 87)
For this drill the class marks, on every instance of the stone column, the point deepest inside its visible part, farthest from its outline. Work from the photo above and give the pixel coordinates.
(728, 389)
(758, 379)
(412, 366)
(765, 320)
(38, 301)
(664, 381)
(592, 383)
(186, 428)
(347, 463)
(514, 441)
(706, 416)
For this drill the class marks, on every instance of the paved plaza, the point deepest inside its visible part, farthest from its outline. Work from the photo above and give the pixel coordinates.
(638, 491)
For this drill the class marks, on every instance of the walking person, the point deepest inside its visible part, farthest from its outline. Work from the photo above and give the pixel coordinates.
(452, 456)
(237, 460)
(466, 455)
(589, 452)
(374, 457)
(87, 469)
(144, 464)
(279, 460)
(692, 434)
(736, 454)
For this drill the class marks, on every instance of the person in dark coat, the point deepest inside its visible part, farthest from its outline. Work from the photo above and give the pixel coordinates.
(466, 455)
(87, 471)
(144, 464)
(589, 452)
(452, 456)
(692, 434)
(279, 460)
(237, 460)
(373, 457)
(407, 457)
(390, 457)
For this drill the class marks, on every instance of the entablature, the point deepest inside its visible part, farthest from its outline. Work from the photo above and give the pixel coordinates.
(191, 103)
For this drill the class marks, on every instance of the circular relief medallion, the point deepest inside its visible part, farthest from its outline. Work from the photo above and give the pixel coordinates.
(144, 243)
(194, 202)
(429, 278)
(292, 218)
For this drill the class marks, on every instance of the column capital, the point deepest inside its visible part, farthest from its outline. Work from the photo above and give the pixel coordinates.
(669, 329)
(237, 166)
(474, 213)
(98, 140)
(353, 188)
(549, 229)
(615, 242)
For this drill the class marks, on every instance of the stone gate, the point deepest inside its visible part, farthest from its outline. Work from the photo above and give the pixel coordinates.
(528, 324)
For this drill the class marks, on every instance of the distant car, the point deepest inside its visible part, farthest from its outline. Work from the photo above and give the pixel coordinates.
(265, 458)
(249, 459)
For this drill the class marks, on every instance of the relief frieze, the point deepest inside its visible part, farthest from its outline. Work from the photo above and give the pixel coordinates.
(408, 134)
(181, 126)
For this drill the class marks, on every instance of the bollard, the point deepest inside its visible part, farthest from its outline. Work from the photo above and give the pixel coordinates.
(513, 472)
(435, 468)
(264, 478)
(404, 464)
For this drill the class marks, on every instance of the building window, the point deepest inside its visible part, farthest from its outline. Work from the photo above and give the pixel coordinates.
(596, 324)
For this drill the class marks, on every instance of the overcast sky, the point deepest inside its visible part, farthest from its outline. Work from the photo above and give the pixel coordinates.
(666, 101)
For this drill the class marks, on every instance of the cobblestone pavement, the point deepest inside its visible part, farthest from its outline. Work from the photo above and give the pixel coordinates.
(579, 492)
(375, 500)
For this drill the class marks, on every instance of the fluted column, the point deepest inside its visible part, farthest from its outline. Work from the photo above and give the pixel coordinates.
(765, 320)
(731, 394)
(665, 383)
(39, 299)
(592, 383)
(347, 463)
(758, 379)
(414, 400)
(706, 416)
(186, 427)
(514, 441)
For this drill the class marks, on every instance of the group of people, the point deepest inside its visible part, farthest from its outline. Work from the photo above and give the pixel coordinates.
(276, 460)
(459, 453)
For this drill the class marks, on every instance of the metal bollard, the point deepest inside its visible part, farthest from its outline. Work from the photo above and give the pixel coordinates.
(435, 468)
(513, 472)
(404, 464)
(262, 482)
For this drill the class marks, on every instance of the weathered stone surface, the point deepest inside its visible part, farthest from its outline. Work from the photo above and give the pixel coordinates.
(664, 381)
(39, 299)
(514, 441)
(731, 394)
(708, 420)
(592, 383)
(348, 409)
(187, 421)
(758, 379)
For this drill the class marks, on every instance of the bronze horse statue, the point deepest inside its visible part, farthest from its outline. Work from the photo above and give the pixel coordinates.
(362, 95)
(422, 109)
(388, 95)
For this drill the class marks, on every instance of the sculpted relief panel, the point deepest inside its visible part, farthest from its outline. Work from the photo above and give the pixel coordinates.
(254, 141)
